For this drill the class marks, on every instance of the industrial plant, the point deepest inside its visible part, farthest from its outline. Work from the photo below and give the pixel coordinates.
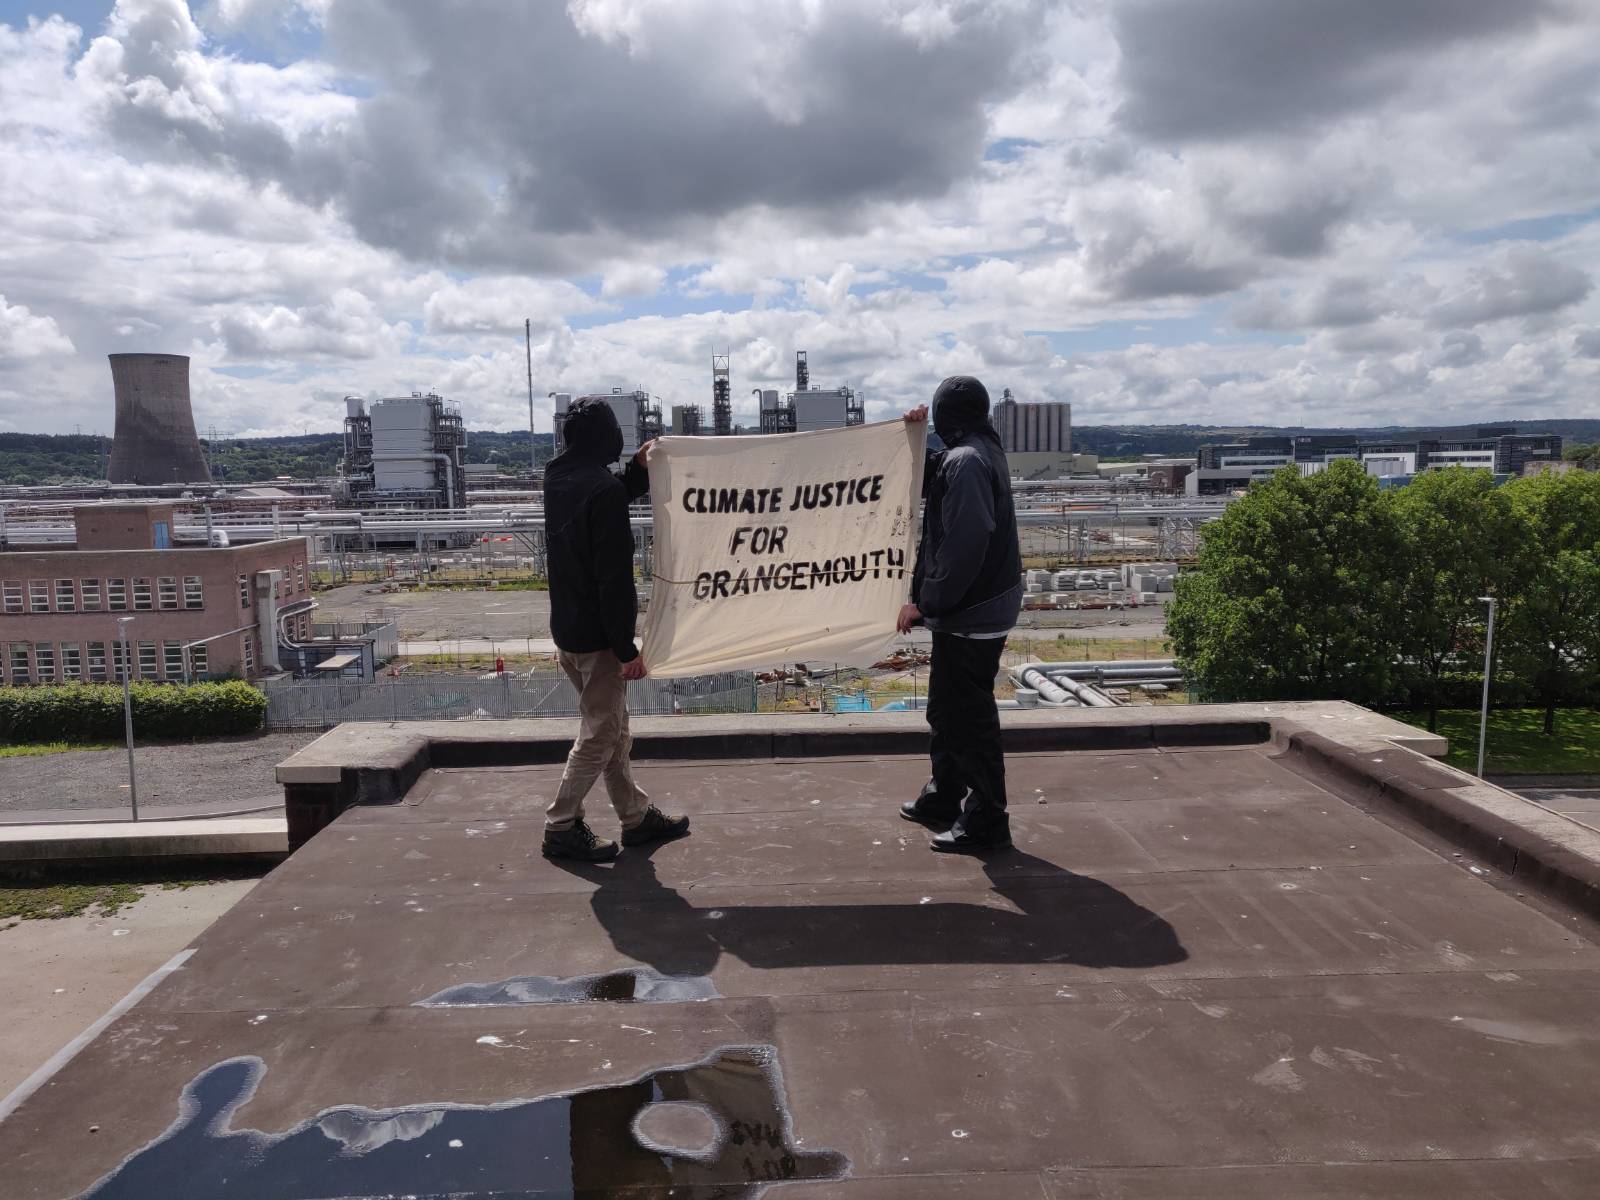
(805, 408)
(404, 452)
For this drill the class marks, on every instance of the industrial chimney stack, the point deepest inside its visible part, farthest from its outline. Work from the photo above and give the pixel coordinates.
(155, 439)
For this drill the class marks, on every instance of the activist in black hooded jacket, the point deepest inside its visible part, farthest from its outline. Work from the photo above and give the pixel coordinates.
(589, 540)
(968, 577)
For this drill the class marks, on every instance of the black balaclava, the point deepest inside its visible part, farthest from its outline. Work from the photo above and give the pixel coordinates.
(960, 408)
(591, 430)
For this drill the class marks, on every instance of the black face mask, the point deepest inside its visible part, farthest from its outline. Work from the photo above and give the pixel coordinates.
(591, 431)
(960, 406)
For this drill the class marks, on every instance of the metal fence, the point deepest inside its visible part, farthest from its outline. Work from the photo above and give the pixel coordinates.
(319, 704)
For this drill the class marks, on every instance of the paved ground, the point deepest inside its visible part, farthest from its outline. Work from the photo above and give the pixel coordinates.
(61, 975)
(1201, 974)
(228, 774)
(1581, 804)
(439, 615)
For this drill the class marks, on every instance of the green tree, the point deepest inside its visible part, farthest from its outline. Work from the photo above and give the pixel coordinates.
(1553, 620)
(1294, 592)
(1463, 539)
(1587, 458)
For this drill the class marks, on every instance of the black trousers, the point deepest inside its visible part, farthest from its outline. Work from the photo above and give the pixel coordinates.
(969, 771)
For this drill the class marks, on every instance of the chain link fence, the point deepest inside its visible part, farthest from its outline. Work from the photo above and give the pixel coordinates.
(321, 704)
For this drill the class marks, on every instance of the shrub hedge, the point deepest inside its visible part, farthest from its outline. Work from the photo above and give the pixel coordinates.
(92, 712)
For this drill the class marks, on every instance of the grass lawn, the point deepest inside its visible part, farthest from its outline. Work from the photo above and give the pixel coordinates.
(33, 749)
(1517, 743)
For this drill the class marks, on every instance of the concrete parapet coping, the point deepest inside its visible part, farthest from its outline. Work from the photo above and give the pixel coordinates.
(386, 746)
(217, 837)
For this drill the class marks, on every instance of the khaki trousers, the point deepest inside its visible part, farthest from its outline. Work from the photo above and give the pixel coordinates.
(602, 745)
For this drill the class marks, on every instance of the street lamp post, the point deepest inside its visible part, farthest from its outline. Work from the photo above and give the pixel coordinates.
(127, 709)
(1488, 670)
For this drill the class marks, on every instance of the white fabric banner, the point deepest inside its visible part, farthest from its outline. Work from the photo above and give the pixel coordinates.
(781, 548)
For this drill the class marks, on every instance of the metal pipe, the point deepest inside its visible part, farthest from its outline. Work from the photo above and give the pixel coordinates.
(1488, 672)
(127, 710)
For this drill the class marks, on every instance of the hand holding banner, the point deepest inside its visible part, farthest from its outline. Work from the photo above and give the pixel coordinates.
(782, 547)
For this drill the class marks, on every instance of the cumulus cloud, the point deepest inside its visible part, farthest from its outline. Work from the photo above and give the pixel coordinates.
(1163, 210)
(1223, 68)
(500, 304)
(1531, 283)
(26, 335)
(348, 326)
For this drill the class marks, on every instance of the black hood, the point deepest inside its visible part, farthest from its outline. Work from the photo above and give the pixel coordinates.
(960, 408)
(591, 430)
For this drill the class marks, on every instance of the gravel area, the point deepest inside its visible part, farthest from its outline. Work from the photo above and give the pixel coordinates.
(230, 773)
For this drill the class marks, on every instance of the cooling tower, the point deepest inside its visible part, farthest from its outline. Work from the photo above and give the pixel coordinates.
(155, 440)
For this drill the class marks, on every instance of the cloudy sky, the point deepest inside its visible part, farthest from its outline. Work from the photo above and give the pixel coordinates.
(1325, 211)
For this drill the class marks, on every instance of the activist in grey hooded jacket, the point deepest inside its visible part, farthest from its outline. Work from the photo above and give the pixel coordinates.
(968, 577)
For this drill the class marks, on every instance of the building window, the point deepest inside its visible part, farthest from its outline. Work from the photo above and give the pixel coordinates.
(172, 656)
(90, 590)
(244, 591)
(141, 594)
(19, 663)
(167, 592)
(38, 595)
(198, 660)
(147, 660)
(71, 662)
(163, 538)
(249, 655)
(119, 654)
(116, 594)
(12, 591)
(66, 596)
(300, 575)
(194, 595)
(97, 662)
(44, 662)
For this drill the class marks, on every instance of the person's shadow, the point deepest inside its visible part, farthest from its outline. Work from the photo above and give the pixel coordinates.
(1052, 916)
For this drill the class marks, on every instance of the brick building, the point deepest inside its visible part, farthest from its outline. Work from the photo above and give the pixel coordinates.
(199, 611)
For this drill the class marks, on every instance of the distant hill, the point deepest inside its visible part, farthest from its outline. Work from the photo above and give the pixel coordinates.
(41, 458)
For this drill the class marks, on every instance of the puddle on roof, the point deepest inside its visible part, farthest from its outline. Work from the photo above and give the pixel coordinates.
(633, 985)
(717, 1127)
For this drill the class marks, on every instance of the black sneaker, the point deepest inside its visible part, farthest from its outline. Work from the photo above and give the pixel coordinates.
(959, 841)
(656, 827)
(579, 842)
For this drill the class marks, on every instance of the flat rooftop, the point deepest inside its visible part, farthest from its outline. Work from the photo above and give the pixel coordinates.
(1211, 970)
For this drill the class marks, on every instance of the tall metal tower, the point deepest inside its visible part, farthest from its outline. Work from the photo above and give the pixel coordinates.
(721, 396)
(802, 373)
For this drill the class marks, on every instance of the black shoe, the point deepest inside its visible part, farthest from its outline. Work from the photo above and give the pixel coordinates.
(579, 842)
(656, 827)
(925, 810)
(959, 841)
